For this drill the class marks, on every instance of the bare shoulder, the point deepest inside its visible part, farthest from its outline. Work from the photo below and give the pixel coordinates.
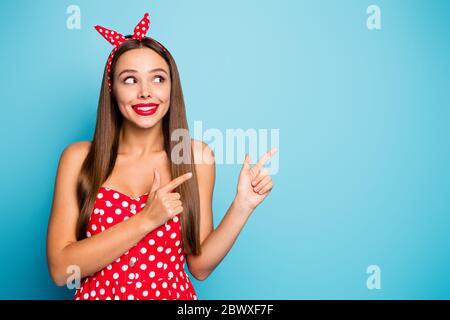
(65, 210)
(70, 163)
(75, 152)
(77, 149)
(203, 154)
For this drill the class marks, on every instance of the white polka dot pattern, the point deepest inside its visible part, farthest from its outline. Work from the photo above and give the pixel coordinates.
(116, 39)
(151, 270)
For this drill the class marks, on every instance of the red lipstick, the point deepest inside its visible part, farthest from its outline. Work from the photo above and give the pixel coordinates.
(145, 109)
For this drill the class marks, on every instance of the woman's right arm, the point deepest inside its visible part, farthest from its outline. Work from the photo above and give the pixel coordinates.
(94, 253)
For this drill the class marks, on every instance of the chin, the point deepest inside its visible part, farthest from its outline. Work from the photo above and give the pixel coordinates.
(147, 123)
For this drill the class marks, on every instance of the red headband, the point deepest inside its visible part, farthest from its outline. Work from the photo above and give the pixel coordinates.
(116, 39)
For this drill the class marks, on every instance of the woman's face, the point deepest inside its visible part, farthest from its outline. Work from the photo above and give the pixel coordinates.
(142, 86)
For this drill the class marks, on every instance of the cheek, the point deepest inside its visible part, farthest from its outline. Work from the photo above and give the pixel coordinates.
(162, 93)
(123, 95)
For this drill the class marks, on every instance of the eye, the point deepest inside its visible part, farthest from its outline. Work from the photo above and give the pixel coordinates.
(129, 80)
(158, 79)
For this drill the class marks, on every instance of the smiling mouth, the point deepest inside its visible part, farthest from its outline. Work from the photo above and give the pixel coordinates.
(145, 109)
(145, 106)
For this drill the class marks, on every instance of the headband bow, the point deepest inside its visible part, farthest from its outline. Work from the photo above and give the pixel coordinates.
(116, 39)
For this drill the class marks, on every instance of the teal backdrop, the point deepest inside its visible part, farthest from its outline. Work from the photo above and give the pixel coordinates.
(363, 118)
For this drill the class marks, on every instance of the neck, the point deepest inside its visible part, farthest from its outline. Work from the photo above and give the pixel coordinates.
(138, 142)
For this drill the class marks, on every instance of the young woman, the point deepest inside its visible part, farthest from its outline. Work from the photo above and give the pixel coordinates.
(126, 214)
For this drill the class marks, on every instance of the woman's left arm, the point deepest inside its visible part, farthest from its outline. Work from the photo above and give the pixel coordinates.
(253, 186)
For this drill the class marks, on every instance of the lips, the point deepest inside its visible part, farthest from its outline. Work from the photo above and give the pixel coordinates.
(145, 109)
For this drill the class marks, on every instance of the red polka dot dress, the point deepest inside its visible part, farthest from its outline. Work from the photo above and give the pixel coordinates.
(151, 270)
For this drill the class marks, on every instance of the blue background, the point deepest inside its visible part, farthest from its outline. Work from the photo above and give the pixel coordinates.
(363, 116)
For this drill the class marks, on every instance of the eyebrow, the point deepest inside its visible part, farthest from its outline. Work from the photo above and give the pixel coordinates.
(150, 71)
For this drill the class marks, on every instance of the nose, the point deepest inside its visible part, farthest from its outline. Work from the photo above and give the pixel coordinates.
(144, 92)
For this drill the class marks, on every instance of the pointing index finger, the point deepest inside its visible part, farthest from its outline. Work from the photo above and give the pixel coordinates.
(176, 182)
(258, 166)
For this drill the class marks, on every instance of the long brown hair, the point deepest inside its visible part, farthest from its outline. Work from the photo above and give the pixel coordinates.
(101, 158)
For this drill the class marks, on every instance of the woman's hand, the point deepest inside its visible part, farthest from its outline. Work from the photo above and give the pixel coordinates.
(162, 204)
(254, 182)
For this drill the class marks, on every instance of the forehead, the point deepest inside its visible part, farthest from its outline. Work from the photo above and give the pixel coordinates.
(141, 59)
